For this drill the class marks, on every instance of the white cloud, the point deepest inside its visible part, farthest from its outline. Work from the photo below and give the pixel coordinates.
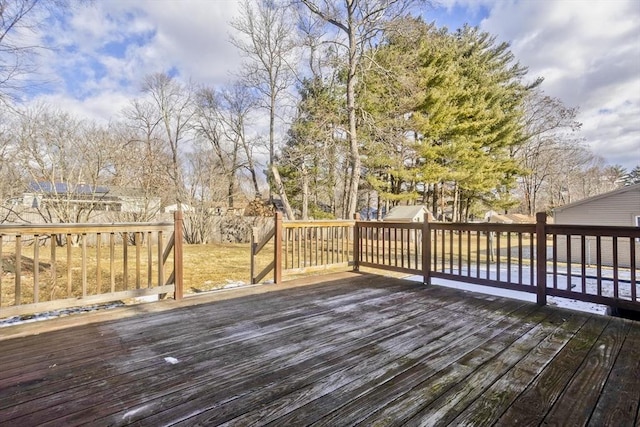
(104, 49)
(589, 54)
(588, 51)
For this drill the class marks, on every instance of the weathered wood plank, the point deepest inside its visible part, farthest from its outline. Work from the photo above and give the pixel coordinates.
(351, 373)
(362, 349)
(149, 378)
(620, 397)
(280, 372)
(226, 333)
(535, 402)
(468, 350)
(580, 396)
(502, 393)
(441, 407)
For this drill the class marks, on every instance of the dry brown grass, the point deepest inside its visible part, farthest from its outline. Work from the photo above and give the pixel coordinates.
(206, 267)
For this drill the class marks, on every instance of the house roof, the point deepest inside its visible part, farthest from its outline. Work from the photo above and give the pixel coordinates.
(625, 189)
(64, 188)
(403, 213)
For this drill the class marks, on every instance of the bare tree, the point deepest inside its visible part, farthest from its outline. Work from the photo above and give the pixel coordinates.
(548, 143)
(20, 21)
(265, 38)
(61, 181)
(143, 158)
(238, 104)
(360, 22)
(174, 106)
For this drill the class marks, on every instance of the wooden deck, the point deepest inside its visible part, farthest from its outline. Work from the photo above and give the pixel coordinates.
(349, 349)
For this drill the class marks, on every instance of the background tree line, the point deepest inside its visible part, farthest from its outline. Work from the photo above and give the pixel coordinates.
(340, 106)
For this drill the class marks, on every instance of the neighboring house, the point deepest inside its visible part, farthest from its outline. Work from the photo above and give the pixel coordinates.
(174, 208)
(495, 217)
(408, 214)
(84, 196)
(620, 207)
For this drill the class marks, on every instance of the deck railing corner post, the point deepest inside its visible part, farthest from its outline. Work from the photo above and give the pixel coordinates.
(277, 244)
(356, 242)
(426, 250)
(177, 255)
(541, 258)
(254, 245)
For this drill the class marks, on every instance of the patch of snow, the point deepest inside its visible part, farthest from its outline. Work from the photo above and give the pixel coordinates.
(146, 298)
(53, 314)
(591, 287)
(233, 284)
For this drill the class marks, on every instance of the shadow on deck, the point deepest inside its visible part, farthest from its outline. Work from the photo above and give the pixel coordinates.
(343, 349)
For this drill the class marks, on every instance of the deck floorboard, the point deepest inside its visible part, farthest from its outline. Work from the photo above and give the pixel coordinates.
(341, 349)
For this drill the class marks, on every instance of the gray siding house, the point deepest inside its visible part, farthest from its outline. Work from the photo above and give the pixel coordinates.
(620, 207)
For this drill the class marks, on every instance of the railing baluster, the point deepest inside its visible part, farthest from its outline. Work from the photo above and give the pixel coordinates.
(555, 260)
(520, 258)
(497, 255)
(584, 264)
(149, 260)
(83, 240)
(632, 265)
(69, 266)
(18, 271)
(615, 267)
(112, 257)
(509, 257)
(599, 264)
(36, 268)
(569, 260)
(125, 260)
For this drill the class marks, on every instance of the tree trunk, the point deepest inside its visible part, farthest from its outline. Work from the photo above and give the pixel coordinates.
(354, 151)
(283, 195)
(305, 193)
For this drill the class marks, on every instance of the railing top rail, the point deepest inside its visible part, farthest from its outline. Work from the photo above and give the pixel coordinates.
(318, 223)
(593, 230)
(483, 226)
(390, 224)
(75, 228)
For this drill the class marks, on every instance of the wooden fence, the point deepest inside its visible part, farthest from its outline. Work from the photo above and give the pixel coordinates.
(55, 266)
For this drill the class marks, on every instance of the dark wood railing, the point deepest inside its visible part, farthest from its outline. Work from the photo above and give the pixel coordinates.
(596, 264)
(54, 266)
(392, 246)
(585, 263)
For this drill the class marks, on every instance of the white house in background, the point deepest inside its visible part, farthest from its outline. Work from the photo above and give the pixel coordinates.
(84, 196)
(174, 208)
(408, 214)
(620, 207)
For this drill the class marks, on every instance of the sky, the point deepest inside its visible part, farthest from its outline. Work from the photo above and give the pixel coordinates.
(587, 51)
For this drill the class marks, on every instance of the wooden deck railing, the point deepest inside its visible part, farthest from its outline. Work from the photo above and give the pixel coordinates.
(392, 246)
(586, 263)
(54, 266)
(498, 255)
(596, 264)
(304, 246)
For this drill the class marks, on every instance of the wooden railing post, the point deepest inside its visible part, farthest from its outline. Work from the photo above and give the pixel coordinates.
(254, 245)
(426, 250)
(356, 243)
(541, 258)
(277, 245)
(177, 255)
